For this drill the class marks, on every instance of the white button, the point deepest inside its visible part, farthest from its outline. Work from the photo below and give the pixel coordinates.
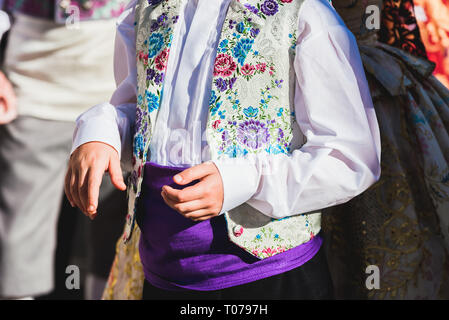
(237, 230)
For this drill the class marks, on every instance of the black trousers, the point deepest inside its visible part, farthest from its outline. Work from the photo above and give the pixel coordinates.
(311, 281)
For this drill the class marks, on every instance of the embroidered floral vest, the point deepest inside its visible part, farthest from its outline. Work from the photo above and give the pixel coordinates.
(251, 105)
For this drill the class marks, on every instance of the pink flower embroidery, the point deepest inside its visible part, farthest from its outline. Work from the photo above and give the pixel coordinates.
(238, 232)
(269, 251)
(255, 252)
(280, 249)
(140, 55)
(224, 65)
(161, 60)
(216, 124)
(248, 70)
(261, 67)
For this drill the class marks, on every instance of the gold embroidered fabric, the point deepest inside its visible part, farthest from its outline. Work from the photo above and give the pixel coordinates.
(126, 277)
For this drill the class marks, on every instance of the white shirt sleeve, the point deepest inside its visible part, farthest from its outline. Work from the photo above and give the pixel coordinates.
(334, 110)
(112, 122)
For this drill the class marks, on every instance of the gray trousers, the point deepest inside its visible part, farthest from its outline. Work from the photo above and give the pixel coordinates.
(33, 160)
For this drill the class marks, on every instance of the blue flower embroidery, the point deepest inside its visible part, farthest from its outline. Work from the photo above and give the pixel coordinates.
(223, 44)
(138, 144)
(152, 101)
(214, 109)
(139, 99)
(240, 27)
(274, 149)
(222, 114)
(155, 44)
(235, 151)
(213, 97)
(242, 49)
(250, 111)
(279, 114)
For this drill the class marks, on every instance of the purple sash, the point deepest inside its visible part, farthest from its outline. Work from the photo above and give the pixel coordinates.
(178, 253)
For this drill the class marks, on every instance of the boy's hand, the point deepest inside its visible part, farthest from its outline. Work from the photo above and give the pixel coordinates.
(86, 167)
(201, 201)
(8, 107)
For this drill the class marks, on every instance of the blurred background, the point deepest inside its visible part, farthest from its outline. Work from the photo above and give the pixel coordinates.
(58, 58)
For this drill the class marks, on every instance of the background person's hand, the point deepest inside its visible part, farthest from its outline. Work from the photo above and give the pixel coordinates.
(8, 103)
(86, 167)
(201, 201)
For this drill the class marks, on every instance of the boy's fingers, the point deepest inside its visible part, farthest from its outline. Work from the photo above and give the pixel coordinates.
(93, 189)
(115, 173)
(168, 201)
(193, 173)
(74, 190)
(187, 194)
(82, 189)
(182, 208)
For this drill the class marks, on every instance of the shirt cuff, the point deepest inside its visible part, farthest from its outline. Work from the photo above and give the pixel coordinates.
(240, 180)
(97, 125)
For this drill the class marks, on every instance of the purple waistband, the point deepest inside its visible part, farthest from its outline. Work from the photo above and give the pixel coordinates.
(178, 253)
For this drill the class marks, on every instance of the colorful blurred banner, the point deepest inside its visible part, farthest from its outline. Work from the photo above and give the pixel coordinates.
(433, 20)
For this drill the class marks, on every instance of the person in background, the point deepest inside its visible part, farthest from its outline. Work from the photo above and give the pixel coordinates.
(400, 225)
(58, 62)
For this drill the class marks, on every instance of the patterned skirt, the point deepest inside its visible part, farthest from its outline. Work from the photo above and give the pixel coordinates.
(401, 223)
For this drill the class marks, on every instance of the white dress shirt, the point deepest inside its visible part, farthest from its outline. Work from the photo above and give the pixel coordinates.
(333, 108)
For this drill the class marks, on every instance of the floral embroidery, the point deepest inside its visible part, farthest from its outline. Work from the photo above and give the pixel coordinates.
(249, 104)
(152, 52)
(154, 2)
(155, 43)
(269, 7)
(253, 134)
(161, 60)
(242, 49)
(250, 111)
(254, 128)
(261, 250)
(224, 65)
